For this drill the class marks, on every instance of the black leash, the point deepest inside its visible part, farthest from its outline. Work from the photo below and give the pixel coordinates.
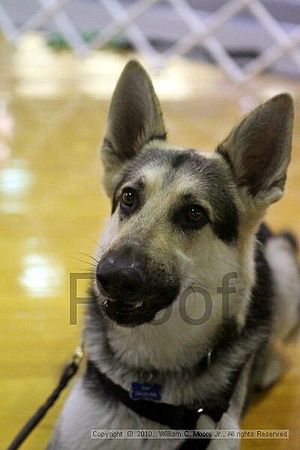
(67, 374)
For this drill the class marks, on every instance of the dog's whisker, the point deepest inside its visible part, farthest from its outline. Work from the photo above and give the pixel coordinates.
(89, 263)
(89, 256)
(97, 243)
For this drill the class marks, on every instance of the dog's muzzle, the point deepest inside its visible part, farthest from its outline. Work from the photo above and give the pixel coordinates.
(132, 289)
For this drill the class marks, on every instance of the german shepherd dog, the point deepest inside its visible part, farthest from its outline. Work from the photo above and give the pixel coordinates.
(191, 290)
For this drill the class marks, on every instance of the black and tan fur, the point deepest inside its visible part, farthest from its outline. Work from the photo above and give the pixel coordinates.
(152, 253)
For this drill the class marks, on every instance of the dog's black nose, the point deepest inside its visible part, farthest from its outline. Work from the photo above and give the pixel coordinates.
(121, 276)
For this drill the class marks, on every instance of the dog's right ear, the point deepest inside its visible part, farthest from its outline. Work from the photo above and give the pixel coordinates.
(134, 119)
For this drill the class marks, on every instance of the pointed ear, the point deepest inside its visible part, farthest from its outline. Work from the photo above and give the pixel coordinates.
(259, 150)
(134, 119)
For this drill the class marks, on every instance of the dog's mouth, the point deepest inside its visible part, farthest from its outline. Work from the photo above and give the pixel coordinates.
(129, 314)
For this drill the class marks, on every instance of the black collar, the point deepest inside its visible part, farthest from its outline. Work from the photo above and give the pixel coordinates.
(174, 417)
(178, 417)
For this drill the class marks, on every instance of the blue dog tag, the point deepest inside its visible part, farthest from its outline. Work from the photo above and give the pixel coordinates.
(145, 391)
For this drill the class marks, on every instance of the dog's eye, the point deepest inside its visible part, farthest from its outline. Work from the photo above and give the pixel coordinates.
(128, 199)
(191, 217)
(195, 213)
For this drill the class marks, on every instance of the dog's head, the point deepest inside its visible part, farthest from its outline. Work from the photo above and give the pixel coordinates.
(182, 217)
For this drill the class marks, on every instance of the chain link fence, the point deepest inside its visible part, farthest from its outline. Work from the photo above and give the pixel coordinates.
(243, 37)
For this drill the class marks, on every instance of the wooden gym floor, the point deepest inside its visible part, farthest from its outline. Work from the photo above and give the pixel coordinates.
(52, 113)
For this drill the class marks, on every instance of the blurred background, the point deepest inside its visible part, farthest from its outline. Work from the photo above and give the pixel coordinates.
(243, 37)
(211, 61)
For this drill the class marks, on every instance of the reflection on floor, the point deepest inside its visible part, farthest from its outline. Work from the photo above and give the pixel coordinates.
(52, 112)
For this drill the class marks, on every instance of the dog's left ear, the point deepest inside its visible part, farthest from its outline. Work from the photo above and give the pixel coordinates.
(259, 150)
(134, 119)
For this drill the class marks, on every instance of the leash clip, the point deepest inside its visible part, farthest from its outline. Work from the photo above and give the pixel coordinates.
(78, 355)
